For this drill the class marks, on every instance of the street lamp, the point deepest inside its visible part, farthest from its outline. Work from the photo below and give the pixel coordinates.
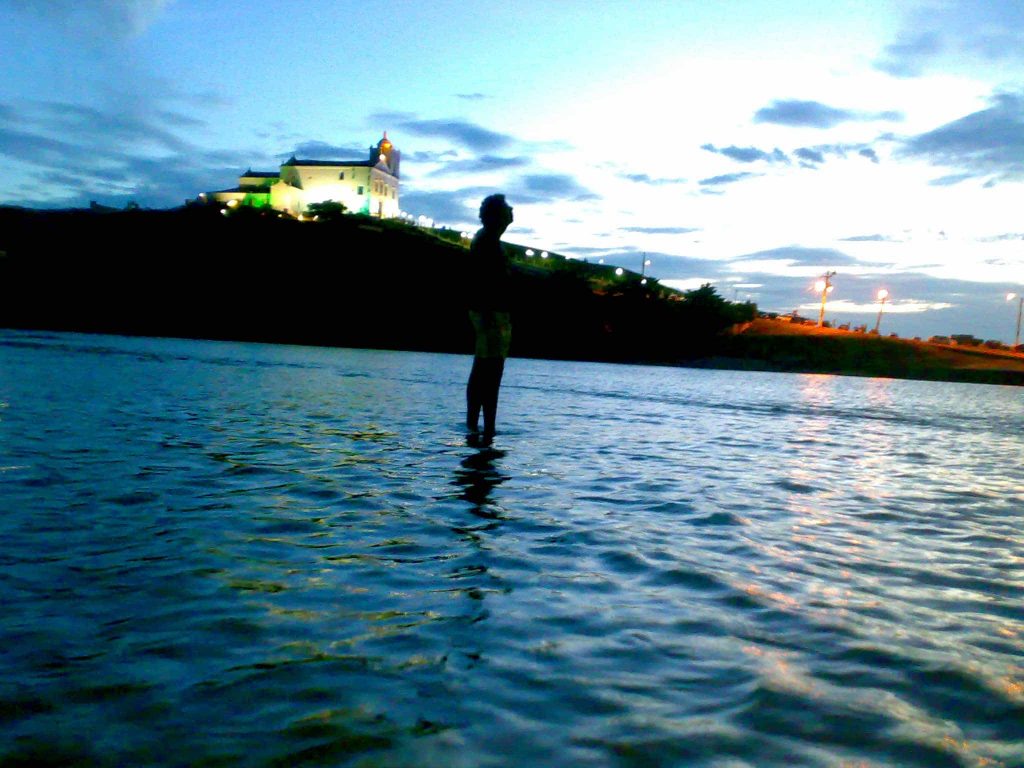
(825, 286)
(1020, 306)
(882, 296)
(644, 264)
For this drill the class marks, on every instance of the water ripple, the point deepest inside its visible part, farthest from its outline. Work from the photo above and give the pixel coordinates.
(288, 556)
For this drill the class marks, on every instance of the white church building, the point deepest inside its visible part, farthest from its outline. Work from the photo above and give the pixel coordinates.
(362, 186)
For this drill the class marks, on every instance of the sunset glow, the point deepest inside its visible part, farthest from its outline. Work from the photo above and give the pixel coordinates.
(881, 141)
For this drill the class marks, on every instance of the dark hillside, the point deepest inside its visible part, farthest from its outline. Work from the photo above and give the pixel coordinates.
(351, 281)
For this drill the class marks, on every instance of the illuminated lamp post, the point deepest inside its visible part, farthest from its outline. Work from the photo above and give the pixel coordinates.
(882, 296)
(824, 285)
(644, 264)
(1020, 306)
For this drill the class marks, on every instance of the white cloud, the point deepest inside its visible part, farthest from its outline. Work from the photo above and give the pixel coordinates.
(908, 307)
(689, 284)
(962, 35)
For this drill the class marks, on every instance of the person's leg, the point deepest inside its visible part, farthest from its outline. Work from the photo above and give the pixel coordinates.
(495, 368)
(474, 394)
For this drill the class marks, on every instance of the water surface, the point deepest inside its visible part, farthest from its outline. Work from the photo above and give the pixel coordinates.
(220, 554)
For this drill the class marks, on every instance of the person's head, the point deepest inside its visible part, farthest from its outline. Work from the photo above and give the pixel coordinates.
(495, 213)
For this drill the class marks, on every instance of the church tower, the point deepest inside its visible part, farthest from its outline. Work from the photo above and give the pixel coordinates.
(386, 153)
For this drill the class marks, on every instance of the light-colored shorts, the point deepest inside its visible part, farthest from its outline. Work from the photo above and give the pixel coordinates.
(493, 333)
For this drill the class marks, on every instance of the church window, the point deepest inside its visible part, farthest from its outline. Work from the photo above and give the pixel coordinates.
(359, 191)
(341, 175)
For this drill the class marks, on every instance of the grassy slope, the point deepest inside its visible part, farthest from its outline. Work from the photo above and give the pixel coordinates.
(779, 346)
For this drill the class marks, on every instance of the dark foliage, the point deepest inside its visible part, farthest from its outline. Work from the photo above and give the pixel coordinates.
(344, 281)
(329, 209)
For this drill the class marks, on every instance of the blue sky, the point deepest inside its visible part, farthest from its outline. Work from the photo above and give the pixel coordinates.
(750, 144)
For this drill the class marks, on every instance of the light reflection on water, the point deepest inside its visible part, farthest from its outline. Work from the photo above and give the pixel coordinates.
(289, 556)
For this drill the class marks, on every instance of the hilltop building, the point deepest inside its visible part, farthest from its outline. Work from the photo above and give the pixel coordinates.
(362, 186)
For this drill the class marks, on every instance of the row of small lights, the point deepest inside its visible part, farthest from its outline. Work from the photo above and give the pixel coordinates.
(822, 286)
(231, 205)
(619, 271)
(425, 221)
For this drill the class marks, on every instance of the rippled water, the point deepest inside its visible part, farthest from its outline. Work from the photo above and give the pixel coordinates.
(220, 554)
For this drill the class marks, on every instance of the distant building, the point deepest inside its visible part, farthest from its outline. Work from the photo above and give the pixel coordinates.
(362, 186)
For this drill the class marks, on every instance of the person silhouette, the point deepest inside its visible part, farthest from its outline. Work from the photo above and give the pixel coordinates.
(489, 305)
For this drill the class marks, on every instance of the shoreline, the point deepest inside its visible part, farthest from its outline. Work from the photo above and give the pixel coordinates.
(792, 364)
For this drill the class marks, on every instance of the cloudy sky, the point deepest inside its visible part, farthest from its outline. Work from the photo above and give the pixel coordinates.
(752, 144)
